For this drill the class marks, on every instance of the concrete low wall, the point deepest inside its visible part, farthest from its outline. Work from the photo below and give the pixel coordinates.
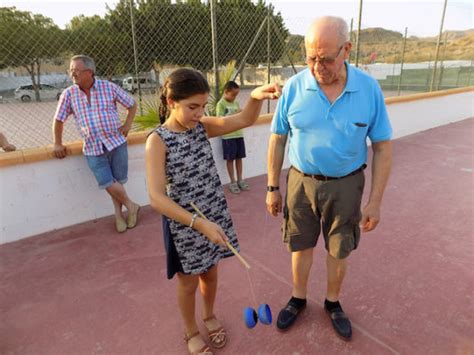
(40, 194)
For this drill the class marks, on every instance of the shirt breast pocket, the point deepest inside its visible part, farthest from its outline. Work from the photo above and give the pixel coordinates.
(106, 105)
(356, 132)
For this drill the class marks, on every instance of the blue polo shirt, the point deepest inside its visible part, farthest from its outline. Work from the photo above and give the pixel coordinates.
(330, 139)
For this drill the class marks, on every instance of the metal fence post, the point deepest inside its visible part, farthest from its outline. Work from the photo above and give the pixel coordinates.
(214, 48)
(428, 76)
(242, 63)
(283, 43)
(358, 35)
(268, 53)
(433, 77)
(135, 57)
(401, 64)
(441, 64)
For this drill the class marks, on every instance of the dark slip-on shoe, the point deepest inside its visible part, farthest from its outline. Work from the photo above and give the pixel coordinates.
(340, 323)
(288, 315)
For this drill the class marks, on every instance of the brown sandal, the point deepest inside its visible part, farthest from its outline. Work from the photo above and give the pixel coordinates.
(205, 350)
(218, 336)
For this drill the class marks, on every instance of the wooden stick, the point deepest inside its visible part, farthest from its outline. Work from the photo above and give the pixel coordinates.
(232, 249)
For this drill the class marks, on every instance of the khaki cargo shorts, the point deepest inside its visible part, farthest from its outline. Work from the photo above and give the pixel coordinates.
(333, 205)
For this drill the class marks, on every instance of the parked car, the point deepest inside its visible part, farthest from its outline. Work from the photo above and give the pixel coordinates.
(118, 82)
(131, 84)
(26, 93)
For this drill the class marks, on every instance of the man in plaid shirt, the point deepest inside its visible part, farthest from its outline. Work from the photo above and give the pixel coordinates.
(93, 103)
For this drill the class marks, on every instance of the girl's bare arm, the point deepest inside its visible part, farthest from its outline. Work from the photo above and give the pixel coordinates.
(217, 126)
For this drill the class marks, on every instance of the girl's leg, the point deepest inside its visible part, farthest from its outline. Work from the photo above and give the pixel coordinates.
(187, 285)
(208, 287)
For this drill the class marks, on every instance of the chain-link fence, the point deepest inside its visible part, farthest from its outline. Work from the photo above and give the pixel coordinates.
(136, 45)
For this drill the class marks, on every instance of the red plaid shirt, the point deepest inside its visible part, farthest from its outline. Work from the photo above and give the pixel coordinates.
(97, 122)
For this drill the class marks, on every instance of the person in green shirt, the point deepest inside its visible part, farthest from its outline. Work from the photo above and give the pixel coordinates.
(233, 145)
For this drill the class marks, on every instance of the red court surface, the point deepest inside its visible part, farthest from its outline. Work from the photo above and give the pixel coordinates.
(409, 288)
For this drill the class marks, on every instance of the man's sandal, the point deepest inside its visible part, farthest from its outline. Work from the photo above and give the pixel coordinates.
(205, 350)
(218, 336)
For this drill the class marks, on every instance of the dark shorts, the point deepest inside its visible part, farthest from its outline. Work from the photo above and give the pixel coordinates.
(332, 205)
(110, 167)
(233, 148)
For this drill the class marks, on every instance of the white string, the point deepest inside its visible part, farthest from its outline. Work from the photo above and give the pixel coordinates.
(248, 273)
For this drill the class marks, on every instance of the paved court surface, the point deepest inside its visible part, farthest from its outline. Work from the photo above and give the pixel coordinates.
(409, 289)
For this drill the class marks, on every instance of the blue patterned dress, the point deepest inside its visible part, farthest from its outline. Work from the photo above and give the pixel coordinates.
(192, 177)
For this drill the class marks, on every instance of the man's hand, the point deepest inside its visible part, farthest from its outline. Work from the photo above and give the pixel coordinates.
(370, 217)
(125, 129)
(273, 202)
(59, 151)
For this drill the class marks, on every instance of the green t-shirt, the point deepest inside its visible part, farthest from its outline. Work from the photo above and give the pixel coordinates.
(226, 108)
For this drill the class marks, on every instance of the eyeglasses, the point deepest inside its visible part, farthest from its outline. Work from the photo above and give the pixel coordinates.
(76, 71)
(324, 60)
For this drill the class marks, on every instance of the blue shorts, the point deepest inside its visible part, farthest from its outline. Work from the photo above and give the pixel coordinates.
(233, 148)
(110, 167)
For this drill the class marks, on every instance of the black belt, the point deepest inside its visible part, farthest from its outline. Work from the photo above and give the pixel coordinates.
(327, 178)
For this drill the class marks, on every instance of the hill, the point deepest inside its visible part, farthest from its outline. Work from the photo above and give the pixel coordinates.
(377, 34)
(388, 46)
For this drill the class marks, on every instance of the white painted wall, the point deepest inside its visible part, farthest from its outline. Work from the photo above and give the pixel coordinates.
(420, 115)
(48, 195)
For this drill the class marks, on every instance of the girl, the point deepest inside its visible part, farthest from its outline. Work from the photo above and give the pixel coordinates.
(181, 170)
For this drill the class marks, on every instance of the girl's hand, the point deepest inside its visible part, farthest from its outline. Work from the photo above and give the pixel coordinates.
(269, 91)
(212, 231)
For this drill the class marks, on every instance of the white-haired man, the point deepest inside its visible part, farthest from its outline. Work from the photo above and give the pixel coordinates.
(328, 110)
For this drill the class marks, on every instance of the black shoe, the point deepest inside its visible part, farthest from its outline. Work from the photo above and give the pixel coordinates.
(340, 322)
(288, 315)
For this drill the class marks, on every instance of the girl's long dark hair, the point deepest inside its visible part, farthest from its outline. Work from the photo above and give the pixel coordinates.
(179, 85)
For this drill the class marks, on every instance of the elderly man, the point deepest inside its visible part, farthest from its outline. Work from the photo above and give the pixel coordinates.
(328, 110)
(92, 102)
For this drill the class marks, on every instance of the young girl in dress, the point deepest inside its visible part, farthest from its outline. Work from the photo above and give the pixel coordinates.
(181, 170)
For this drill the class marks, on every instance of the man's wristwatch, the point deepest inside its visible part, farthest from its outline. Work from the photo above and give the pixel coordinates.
(273, 188)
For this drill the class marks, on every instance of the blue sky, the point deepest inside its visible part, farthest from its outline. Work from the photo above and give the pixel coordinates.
(422, 17)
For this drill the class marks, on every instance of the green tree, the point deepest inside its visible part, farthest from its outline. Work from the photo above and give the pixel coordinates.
(179, 33)
(28, 40)
(98, 38)
(238, 22)
(173, 33)
(296, 49)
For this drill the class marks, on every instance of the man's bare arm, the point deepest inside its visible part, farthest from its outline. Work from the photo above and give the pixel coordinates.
(59, 149)
(276, 155)
(381, 166)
